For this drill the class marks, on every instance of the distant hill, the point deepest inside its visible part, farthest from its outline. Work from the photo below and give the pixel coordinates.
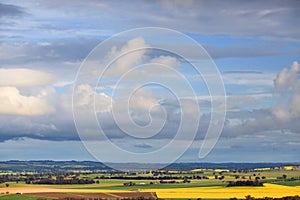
(229, 165)
(48, 165)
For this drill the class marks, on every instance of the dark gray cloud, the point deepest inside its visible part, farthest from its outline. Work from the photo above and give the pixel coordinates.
(54, 128)
(267, 19)
(255, 122)
(9, 10)
(144, 146)
(241, 51)
(72, 49)
(271, 19)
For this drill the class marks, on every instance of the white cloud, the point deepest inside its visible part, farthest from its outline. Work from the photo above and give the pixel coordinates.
(14, 103)
(143, 99)
(288, 79)
(133, 54)
(20, 77)
(289, 111)
(168, 61)
(32, 99)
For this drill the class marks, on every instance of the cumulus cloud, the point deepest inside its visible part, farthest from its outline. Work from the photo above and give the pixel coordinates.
(32, 99)
(128, 56)
(89, 98)
(125, 102)
(287, 81)
(14, 103)
(133, 63)
(19, 77)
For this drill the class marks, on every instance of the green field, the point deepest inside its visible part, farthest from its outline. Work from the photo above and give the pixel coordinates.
(19, 197)
(289, 183)
(155, 186)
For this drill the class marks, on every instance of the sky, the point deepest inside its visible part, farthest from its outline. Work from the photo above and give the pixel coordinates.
(72, 81)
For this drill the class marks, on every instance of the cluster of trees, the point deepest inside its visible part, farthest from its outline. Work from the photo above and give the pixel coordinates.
(153, 177)
(46, 178)
(60, 181)
(270, 198)
(173, 181)
(129, 183)
(244, 177)
(161, 182)
(244, 183)
(219, 177)
(8, 178)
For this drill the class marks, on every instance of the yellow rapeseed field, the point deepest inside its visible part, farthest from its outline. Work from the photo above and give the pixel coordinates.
(288, 167)
(269, 190)
(262, 169)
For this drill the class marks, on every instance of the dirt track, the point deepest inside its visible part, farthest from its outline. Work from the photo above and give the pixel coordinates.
(32, 190)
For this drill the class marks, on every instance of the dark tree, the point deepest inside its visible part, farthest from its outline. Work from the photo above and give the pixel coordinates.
(284, 176)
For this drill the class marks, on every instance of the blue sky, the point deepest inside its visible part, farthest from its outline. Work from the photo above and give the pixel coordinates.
(255, 46)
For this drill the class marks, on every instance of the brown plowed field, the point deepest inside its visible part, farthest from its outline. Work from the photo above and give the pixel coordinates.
(117, 195)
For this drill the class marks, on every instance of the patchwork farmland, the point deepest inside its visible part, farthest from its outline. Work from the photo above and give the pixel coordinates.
(170, 183)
